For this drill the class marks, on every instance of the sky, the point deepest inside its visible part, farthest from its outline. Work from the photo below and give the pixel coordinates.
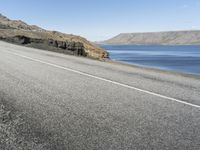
(99, 20)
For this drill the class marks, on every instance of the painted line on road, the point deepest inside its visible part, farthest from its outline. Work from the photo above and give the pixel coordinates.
(107, 80)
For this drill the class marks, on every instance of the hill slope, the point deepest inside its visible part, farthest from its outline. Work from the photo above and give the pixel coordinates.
(162, 38)
(17, 31)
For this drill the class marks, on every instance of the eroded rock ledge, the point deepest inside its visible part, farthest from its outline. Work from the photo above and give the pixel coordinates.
(74, 48)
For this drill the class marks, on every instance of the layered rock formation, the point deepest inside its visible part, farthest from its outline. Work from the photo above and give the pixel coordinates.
(18, 32)
(63, 46)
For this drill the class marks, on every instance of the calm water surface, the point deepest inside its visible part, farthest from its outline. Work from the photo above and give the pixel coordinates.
(184, 59)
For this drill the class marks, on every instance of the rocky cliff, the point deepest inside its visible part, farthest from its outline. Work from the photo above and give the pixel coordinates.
(162, 38)
(17, 31)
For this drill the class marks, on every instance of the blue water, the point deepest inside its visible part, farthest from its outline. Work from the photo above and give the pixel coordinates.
(185, 59)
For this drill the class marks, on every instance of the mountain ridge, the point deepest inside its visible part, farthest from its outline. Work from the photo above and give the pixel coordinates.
(184, 37)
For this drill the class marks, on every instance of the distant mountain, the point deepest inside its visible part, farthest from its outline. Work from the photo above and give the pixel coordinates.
(158, 38)
(17, 31)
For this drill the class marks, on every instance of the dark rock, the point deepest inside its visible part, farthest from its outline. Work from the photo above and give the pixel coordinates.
(37, 41)
(55, 44)
(61, 44)
(21, 39)
(68, 47)
(18, 39)
(50, 42)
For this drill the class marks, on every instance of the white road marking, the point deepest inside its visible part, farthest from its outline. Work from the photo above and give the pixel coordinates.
(107, 80)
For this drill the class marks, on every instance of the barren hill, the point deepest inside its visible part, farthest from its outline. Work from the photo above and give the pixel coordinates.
(163, 38)
(17, 31)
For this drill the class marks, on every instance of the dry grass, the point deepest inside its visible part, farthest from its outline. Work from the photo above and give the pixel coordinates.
(10, 136)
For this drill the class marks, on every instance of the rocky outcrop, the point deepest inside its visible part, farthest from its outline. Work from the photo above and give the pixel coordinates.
(18, 32)
(75, 48)
(2, 26)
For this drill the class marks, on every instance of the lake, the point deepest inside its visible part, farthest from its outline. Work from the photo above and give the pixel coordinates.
(185, 59)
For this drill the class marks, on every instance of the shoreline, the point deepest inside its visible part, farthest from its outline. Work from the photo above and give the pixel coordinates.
(184, 74)
(186, 70)
(109, 60)
(113, 44)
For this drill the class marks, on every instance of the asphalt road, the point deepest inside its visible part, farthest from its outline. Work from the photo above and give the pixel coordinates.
(78, 103)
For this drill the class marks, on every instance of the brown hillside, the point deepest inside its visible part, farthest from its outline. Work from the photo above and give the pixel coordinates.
(18, 32)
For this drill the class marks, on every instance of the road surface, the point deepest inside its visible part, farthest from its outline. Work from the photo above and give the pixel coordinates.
(78, 103)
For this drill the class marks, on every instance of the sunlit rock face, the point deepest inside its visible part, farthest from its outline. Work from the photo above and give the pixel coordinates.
(18, 32)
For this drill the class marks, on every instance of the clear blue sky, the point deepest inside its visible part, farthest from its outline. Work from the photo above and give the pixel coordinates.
(102, 19)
